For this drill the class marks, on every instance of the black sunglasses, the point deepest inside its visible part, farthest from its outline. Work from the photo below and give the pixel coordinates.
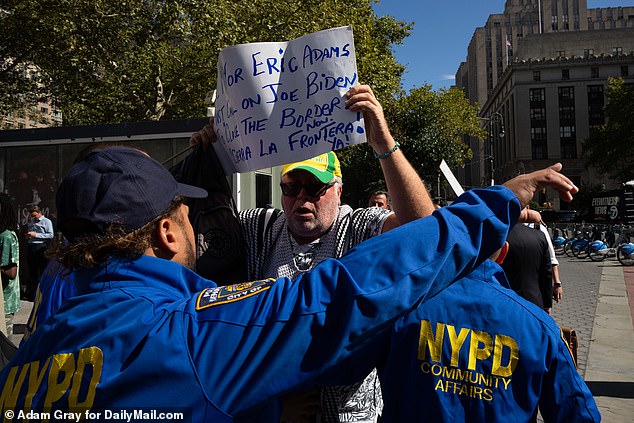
(313, 190)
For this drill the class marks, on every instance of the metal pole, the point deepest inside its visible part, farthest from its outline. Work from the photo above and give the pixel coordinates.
(491, 164)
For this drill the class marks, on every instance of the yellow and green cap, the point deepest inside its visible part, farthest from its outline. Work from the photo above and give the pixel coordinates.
(323, 167)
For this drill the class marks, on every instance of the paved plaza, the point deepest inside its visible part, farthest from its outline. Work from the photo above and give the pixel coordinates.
(598, 303)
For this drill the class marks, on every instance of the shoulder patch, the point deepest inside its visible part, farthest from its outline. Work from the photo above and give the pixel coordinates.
(227, 294)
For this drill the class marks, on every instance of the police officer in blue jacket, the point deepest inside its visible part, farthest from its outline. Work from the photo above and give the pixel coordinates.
(479, 352)
(145, 336)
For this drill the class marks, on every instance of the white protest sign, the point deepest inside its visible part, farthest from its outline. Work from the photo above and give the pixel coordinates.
(453, 182)
(283, 102)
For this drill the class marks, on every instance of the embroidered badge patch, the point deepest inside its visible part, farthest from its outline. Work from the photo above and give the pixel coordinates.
(228, 294)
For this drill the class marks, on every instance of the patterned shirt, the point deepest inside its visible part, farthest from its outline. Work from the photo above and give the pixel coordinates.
(273, 252)
(9, 254)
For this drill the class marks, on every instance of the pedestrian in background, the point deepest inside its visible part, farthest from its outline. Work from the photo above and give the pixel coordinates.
(379, 199)
(9, 260)
(528, 266)
(39, 234)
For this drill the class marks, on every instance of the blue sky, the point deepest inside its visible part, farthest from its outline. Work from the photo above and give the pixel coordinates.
(437, 45)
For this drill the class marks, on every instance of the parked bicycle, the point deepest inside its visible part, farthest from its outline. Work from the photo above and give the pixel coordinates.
(625, 254)
(615, 242)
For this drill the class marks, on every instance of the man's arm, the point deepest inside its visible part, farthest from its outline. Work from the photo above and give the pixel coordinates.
(337, 315)
(410, 199)
(48, 230)
(564, 396)
(546, 279)
(557, 291)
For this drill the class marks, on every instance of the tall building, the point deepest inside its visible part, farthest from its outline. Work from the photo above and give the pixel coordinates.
(44, 114)
(539, 72)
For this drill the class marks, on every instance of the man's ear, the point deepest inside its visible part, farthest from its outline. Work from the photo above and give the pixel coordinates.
(166, 243)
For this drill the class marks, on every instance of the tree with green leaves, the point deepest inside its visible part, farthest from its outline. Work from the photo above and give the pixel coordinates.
(429, 125)
(107, 61)
(610, 147)
(110, 61)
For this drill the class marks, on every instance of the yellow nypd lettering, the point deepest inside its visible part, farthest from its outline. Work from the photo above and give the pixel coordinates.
(12, 387)
(59, 377)
(71, 376)
(480, 347)
(31, 325)
(502, 343)
(457, 388)
(36, 375)
(456, 342)
(502, 352)
(427, 338)
(85, 362)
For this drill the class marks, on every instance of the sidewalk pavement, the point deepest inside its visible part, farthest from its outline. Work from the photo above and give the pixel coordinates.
(602, 316)
(19, 321)
(610, 366)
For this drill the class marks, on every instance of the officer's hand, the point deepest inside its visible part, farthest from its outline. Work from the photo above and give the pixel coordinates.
(557, 293)
(525, 186)
(204, 137)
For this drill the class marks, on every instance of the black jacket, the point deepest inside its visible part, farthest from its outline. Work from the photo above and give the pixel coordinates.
(527, 265)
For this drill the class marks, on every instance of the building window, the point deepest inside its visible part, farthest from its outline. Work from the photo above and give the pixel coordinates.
(539, 145)
(535, 95)
(594, 72)
(617, 51)
(537, 113)
(596, 101)
(565, 74)
(587, 52)
(624, 71)
(566, 93)
(561, 53)
(537, 107)
(566, 113)
(537, 76)
(566, 131)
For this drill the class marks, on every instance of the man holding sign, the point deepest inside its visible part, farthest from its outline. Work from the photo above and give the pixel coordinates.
(280, 102)
(314, 226)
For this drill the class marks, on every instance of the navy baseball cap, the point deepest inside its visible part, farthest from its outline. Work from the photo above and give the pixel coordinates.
(118, 186)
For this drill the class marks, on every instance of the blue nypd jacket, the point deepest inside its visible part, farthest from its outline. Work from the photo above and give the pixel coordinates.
(479, 352)
(152, 336)
(56, 284)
